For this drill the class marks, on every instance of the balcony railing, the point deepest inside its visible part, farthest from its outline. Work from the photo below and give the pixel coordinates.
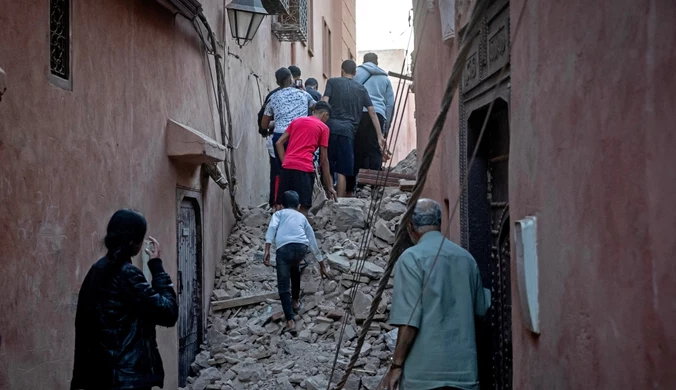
(292, 27)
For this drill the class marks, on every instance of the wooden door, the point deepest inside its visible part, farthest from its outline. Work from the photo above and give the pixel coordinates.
(188, 287)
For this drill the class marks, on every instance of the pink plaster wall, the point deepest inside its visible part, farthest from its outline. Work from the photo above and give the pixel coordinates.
(432, 66)
(593, 93)
(68, 160)
(591, 156)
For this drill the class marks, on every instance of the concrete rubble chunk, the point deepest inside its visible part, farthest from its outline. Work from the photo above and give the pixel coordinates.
(391, 210)
(368, 269)
(338, 262)
(207, 377)
(361, 305)
(284, 384)
(348, 214)
(383, 232)
(317, 382)
(257, 218)
(322, 327)
(221, 295)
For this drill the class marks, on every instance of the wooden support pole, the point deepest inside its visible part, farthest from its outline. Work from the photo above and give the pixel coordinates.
(400, 76)
(243, 301)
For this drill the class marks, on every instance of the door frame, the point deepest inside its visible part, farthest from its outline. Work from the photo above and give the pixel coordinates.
(195, 197)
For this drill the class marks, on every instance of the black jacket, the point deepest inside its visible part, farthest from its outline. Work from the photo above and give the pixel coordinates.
(117, 312)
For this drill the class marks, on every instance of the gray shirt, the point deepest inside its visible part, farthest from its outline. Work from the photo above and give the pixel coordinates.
(444, 351)
(347, 99)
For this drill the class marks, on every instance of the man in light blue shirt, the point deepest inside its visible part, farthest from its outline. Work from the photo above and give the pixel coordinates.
(292, 234)
(434, 303)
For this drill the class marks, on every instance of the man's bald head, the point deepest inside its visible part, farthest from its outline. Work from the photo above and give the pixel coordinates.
(426, 216)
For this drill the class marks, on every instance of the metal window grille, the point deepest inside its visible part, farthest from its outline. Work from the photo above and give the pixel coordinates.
(59, 38)
(292, 27)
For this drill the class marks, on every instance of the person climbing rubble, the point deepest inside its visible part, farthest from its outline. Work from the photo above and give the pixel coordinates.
(304, 135)
(292, 234)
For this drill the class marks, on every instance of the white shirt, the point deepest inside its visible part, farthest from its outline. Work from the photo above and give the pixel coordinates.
(270, 146)
(289, 226)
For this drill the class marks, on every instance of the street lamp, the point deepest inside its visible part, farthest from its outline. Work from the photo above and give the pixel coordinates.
(245, 18)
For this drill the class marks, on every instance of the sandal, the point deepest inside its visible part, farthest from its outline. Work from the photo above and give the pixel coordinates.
(299, 308)
(293, 332)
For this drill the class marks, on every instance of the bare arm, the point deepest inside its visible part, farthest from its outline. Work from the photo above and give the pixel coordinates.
(405, 339)
(279, 146)
(376, 125)
(265, 122)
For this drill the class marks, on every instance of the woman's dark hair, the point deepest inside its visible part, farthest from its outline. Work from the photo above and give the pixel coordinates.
(126, 230)
(290, 200)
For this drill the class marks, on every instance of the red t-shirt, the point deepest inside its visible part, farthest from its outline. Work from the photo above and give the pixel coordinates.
(306, 134)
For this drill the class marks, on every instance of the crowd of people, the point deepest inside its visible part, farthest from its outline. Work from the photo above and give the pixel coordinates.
(331, 136)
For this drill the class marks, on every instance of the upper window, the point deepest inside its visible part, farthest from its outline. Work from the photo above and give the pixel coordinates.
(310, 28)
(326, 49)
(59, 43)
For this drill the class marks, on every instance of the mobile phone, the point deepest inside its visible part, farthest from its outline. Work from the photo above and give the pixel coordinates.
(299, 83)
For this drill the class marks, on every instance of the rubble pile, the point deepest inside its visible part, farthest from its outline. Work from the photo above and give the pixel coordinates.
(245, 347)
(409, 165)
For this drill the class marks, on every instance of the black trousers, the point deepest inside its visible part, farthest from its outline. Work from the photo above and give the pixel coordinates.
(367, 154)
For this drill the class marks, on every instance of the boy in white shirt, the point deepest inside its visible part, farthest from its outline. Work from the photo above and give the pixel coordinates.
(292, 235)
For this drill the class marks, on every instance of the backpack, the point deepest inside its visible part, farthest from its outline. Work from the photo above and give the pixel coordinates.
(264, 132)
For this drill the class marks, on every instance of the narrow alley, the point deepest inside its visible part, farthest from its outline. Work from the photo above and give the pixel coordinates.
(245, 348)
(522, 240)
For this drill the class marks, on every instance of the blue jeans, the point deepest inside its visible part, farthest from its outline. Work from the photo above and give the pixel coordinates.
(288, 275)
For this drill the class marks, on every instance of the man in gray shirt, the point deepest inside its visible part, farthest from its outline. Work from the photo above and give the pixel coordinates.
(347, 99)
(434, 310)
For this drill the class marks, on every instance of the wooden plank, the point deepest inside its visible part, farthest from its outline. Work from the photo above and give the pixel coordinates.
(407, 185)
(378, 178)
(384, 173)
(243, 301)
(400, 76)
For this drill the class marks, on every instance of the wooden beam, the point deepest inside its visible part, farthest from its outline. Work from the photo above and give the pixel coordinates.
(243, 301)
(400, 76)
(407, 185)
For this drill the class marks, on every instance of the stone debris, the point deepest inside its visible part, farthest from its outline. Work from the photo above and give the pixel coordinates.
(409, 165)
(245, 347)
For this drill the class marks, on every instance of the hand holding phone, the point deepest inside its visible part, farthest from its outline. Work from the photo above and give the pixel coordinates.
(153, 249)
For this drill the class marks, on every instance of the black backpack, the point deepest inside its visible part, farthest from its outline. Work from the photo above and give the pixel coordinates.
(264, 132)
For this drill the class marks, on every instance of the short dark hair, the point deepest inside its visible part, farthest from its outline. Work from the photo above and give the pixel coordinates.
(322, 106)
(282, 74)
(312, 82)
(295, 71)
(349, 67)
(371, 57)
(290, 200)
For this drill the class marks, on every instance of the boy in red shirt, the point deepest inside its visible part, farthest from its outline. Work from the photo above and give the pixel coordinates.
(304, 136)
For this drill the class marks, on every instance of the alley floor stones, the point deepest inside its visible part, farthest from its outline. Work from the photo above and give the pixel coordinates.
(245, 347)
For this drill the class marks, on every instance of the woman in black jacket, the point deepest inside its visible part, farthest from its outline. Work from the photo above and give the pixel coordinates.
(117, 312)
